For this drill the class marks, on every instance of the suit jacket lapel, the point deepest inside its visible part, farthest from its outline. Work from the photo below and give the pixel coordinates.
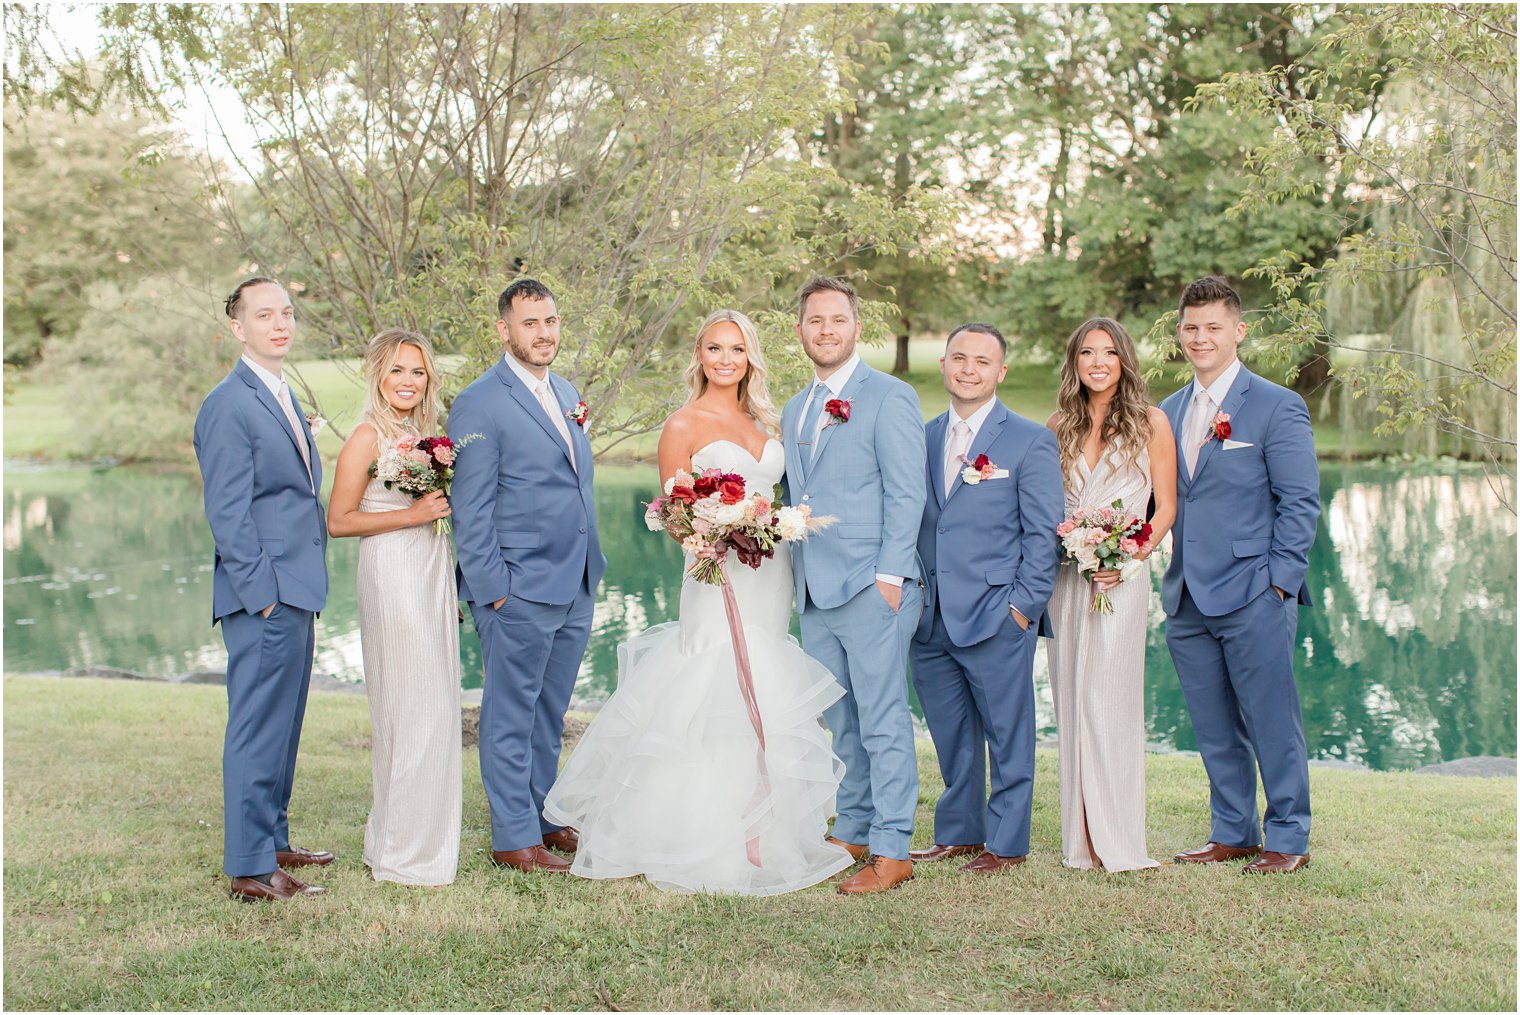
(1176, 417)
(311, 442)
(991, 427)
(934, 439)
(266, 397)
(565, 395)
(1232, 404)
(529, 401)
(789, 444)
(851, 390)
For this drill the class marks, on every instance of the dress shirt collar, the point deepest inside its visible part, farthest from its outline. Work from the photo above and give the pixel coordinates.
(839, 378)
(974, 421)
(524, 375)
(274, 382)
(1221, 386)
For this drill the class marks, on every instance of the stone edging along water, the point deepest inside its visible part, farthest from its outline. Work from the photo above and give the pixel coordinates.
(1486, 766)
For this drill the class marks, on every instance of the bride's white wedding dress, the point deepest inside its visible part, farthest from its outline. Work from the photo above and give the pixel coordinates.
(667, 781)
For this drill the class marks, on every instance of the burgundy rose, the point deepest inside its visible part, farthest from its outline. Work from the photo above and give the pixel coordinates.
(982, 461)
(1222, 430)
(705, 485)
(1144, 535)
(685, 493)
(839, 408)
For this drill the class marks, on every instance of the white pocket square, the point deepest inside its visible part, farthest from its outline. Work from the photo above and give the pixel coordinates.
(999, 474)
(1230, 445)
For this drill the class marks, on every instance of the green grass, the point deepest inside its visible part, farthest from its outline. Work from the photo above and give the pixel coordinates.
(113, 898)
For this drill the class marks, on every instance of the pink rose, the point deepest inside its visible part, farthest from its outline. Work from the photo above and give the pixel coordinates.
(420, 457)
(1129, 547)
(444, 453)
(1066, 528)
(1096, 536)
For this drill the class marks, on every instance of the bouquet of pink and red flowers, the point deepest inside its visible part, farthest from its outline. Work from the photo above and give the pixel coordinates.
(713, 512)
(420, 465)
(1104, 539)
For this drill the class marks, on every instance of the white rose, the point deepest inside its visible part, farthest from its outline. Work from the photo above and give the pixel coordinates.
(970, 476)
(729, 514)
(670, 485)
(1131, 568)
(707, 509)
(653, 521)
(791, 523)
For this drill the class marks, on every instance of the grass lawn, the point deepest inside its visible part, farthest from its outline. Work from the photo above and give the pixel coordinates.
(113, 898)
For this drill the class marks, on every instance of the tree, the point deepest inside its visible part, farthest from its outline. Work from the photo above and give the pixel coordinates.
(1427, 267)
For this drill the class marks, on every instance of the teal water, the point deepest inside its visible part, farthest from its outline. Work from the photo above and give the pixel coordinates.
(1408, 659)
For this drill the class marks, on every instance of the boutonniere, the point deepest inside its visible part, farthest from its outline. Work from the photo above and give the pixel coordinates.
(579, 414)
(1219, 430)
(315, 423)
(976, 471)
(838, 410)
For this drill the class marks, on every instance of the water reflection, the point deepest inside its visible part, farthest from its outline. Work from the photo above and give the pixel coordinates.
(1408, 659)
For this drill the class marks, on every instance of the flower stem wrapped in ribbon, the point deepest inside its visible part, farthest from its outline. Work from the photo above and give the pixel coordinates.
(1104, 539)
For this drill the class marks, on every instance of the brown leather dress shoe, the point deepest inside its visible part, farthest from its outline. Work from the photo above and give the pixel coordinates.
(565, 840)
(299, 856)
(991, 863)
(249, 890)
(533, 858)
(1215, 852)
(879, 874)
(1276, 863)
(854, 849)
(938, 852)
(295, 886)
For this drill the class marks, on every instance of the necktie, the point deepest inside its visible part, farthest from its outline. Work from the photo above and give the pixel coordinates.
(955, 450)
(1197, 426)
(810, 431)
(298, 427)
(546, 399)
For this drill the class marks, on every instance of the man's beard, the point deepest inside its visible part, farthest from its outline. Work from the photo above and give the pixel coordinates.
(525, 353)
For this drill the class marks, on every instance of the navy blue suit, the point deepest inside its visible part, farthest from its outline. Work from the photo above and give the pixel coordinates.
(525, 530)
(270, 536)
(986, 547)
(1245, 522)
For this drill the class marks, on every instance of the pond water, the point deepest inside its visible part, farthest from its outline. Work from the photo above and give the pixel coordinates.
(1409, 658)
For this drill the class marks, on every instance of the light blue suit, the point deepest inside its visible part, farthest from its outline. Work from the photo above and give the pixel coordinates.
(986, 547)
(868, 474)
(525, 529)
(1245, 522)
(270, 535)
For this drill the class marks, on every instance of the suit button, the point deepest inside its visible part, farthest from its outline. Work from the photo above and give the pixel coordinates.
(931, 572)
(942, 530)
(317, 541)
(804, 496)
(583, 528)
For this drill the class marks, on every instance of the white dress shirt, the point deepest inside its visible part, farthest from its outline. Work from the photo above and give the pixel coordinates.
(973, 422)
(1218, 392)
(274, 382)
(835, 382)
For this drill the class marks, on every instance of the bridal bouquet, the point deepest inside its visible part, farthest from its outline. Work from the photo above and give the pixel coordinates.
(420, 465)
(713, 512)
(1104, 539)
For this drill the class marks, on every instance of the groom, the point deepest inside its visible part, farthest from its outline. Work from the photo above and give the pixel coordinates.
(529, 564)
(1247, 504)
(988, 541)
(854, 450)
(261, 474)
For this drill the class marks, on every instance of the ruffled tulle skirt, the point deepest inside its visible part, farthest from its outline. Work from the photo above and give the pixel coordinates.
(668, 782)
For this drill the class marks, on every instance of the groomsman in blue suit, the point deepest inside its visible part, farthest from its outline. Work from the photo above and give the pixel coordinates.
(529, 564)
(1247, 505)
(988, 541)
(261, 474)
(854, 450)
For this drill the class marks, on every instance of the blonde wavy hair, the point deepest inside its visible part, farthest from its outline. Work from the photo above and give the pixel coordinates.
(1127, 425)
(379, 357)
(754, 399)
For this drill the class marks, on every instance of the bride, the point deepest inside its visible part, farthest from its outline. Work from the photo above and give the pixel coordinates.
(668, 781)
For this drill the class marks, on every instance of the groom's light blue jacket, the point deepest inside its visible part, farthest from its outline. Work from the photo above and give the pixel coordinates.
(992, 544)
(868, 474)
(266, 521)
(1246, 518)
(524, 517)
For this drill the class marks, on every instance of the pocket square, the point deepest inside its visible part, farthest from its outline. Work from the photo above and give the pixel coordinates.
(1230, 445)
(999, 474)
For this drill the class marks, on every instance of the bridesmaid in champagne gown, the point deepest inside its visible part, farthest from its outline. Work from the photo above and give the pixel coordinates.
(1114, 446)
(408, 624)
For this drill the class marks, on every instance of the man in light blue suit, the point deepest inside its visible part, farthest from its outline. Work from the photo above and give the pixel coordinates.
(529, 564)
(854, 451)
(261, 475)
(988, 542)
(1247, 506)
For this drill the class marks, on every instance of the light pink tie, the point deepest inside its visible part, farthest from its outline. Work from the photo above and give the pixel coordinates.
(1197, 426)
(960, 443)
(297, 425)
(546, 399)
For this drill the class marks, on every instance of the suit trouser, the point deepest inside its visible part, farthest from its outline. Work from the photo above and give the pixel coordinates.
(268, 676)
(1236, 673)
(532, 654)
(977, 700)
(865, 645)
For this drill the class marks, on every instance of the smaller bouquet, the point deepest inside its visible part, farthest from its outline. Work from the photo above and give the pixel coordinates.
(1104, 539)
(420, 465)
(713, 512)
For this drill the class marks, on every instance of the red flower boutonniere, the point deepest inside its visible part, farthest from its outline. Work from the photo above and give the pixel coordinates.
(1219, 430)
(579, 414)
(838, 410)
(976, 471)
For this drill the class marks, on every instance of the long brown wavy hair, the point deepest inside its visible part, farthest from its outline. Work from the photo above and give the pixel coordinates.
(1127, 425)
(754, 399)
